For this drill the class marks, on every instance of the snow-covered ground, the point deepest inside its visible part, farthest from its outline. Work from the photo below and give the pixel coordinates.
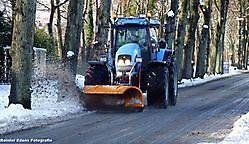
(49, 107)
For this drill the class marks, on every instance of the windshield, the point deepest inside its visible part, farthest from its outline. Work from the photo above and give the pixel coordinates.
(131, 34)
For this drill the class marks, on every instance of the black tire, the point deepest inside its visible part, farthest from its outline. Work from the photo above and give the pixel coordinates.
(132, 109)
(158, 87)
(97, 75)
(173, 86)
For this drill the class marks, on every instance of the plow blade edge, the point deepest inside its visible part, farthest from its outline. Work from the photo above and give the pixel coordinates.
(111, 97)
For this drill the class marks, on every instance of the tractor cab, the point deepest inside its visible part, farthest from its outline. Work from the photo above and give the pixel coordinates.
(132, 32)
(134, 44)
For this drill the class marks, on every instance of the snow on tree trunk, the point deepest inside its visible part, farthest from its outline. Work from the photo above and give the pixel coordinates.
(21, 52)
(73, 34)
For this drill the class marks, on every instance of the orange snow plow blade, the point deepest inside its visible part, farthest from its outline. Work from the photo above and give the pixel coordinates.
(101, 97)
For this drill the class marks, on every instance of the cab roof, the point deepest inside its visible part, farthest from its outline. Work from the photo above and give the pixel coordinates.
(135, 21)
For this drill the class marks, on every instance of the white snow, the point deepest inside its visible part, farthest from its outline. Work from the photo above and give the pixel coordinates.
(205, 26)
(79, 80)
(202, 2)
(39, 49)
(170, 14)
(239, 19)
(193, 82)
(240, 132)
(70, 54)
(48, 107)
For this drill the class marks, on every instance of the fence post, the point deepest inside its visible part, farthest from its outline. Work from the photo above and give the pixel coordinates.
(39, 62)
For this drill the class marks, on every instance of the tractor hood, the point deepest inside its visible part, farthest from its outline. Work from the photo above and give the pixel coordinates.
(129, 51)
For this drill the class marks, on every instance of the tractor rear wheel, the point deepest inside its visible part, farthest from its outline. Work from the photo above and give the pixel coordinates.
(173, 87)
(97, 75)
(158, 91)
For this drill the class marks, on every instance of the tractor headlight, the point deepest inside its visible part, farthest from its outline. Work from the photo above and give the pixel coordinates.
(120, 62)
(124, 60)
(127, 62)
(124, 63)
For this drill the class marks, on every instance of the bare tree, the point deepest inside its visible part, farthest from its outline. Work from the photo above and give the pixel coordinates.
(21, 52)
(220, 35)
(102, 20)
(179, 44)
(204, 45)
(59, 29)
(53, 7)
(73, 33)
(172, 23)
(243, 35)
(190, 39)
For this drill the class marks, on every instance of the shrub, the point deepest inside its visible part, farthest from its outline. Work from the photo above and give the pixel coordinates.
(43, 40)
(5, 31)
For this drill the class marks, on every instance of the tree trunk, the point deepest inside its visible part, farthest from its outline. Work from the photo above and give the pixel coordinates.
(21, 52)
(220, 34)
(82, 64)
(241, 35)
(244, 35)
(50, 24)
(247, 36)
(101, 33)
(204, 44)
(73, 33)
(181, 37)
(240, 52)
(190, 43)
(172, 24)
(51, 17)
(59, 30)
(89, 30)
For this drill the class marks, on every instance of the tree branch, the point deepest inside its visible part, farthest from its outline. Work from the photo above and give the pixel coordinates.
(61, 4)
(44, 5)
(216, 5)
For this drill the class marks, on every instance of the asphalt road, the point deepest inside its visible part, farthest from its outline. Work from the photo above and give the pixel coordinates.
(205, 113)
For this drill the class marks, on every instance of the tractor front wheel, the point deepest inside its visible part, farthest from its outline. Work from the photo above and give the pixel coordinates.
(158, 87)
(97, 75)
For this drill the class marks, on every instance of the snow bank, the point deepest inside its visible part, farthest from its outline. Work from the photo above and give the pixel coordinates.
(47, 106)
(4, 93)
(80, 81)
(207, 78)
(240, 132)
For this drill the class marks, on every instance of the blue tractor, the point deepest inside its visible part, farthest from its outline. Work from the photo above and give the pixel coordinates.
(137, 64)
